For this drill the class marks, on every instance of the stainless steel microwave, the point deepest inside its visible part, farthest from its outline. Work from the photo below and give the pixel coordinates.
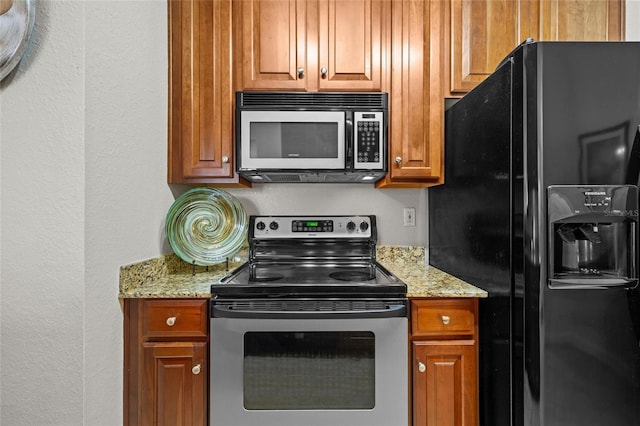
(311, 137)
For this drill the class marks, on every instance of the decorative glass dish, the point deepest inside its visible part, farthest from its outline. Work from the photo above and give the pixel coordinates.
(206, 226)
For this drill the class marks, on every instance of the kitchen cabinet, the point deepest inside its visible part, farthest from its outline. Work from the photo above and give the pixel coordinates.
(317, 45)
(415, 82)
(166, 362)
(482, 33)
(444, 362)
(201, 137)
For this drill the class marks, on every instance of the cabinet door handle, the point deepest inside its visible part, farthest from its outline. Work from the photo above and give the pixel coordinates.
(446, 319)
(323, 72)
(196, 369)
(225, 159)
(421, 367)
(398, 160)
(171, 321)
(300, 72)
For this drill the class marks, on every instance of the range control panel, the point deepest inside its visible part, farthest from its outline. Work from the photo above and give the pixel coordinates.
(273, 227)
(369, 140)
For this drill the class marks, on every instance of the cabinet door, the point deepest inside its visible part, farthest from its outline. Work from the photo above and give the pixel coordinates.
(200, 93)
(445, 384)
(484, 32)
(174, 386)
(274, 44)
(582, 20)
(351, 44)
(416, 94)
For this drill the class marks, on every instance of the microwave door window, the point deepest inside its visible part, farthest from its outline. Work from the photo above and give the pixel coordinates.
(294, 140)
(266, 140)
(309, 140)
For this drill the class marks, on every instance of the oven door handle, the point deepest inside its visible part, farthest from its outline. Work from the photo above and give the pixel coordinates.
(393, 311)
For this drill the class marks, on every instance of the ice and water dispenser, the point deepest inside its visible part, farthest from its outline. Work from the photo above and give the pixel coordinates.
(593, 236)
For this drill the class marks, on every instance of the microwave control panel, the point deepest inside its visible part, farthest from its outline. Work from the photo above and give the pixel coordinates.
(369, 140)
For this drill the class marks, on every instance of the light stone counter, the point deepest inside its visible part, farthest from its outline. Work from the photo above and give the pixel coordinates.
(170, 277)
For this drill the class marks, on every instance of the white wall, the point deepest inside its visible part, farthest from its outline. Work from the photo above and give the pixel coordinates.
(43, 259)
(83, 190)
(633, 20)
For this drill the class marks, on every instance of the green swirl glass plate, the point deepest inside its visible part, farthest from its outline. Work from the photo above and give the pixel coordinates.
(206, 226)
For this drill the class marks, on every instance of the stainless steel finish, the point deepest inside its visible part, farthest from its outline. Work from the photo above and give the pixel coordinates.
(368, 126)
(251, 162)
(323, 72)
(319, 309)
(391, 377)
(398, 160)
(300, 73)
(225, 159)
(311, 330)
(343, 227)
(313, 137)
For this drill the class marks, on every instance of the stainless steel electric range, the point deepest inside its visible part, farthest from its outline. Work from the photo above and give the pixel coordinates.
(311, 331)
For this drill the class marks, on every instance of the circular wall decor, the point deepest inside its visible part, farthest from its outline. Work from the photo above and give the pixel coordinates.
(16, 25)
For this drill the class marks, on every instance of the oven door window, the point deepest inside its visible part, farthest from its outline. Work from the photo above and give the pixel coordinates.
(309, 370)
(292, 139)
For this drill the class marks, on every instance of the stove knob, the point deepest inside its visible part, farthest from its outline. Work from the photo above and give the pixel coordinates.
(364, 226)
(351, 226)
(260, 225)
(273, 226)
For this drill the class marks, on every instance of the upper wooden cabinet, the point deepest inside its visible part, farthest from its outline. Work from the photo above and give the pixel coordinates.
(201, 144)
(482, 33)
(416, 76)
(311, 45)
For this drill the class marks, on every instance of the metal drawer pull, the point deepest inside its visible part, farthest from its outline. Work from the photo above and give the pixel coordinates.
(421, 367)
(196, 369)
(446, 319)
(300, 72)
(171, 321)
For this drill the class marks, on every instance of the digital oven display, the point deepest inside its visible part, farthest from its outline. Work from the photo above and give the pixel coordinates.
(312, 226)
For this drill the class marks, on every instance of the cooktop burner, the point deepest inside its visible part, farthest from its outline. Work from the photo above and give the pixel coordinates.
(352, 276)
(266, 276)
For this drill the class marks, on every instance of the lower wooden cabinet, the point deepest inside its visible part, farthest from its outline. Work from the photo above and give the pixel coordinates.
(166, 359)
(444, 358)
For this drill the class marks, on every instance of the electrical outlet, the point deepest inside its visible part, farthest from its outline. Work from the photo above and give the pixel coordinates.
(409, 216)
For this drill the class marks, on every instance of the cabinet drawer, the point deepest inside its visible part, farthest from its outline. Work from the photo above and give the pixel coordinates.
(445, 318)
(174, 318)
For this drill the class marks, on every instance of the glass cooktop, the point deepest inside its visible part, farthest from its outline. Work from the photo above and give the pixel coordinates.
(297, 280)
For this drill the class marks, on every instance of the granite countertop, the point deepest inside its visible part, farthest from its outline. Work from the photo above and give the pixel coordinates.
(169, 277)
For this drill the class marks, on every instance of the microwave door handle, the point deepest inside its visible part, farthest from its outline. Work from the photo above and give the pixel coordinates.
(349, 135)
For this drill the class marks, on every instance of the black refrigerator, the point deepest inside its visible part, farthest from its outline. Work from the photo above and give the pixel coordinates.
(540, 208)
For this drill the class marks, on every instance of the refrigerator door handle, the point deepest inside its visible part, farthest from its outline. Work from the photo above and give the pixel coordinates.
(633, 168)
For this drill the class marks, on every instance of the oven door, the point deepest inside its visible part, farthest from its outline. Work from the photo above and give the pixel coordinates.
(311, 372)
(287, 140)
